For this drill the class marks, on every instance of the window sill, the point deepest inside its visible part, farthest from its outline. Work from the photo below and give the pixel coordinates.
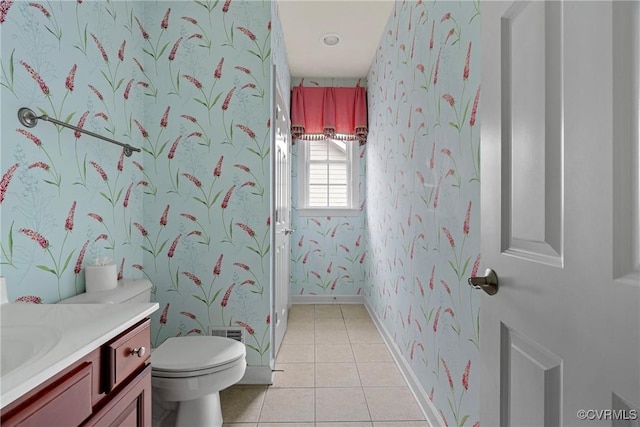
(329, 212)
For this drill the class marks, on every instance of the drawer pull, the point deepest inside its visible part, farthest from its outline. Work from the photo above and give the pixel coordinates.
(140, 351)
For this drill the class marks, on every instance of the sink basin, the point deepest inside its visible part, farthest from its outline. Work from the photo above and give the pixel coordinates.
(20, 345)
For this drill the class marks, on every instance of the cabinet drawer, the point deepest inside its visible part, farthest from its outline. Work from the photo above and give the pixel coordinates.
(65, 402)
(127, 354)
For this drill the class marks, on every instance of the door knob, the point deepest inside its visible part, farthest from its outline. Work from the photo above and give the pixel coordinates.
(288, 231)
(140, 351)
(488, 282)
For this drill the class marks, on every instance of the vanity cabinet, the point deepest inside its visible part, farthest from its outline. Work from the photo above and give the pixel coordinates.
(110, 386)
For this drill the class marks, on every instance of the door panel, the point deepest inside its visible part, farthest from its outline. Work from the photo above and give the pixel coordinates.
(532, 382)
(626, 131)
(532, 134)
(560, 213)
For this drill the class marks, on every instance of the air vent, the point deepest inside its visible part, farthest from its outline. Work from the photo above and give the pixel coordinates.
(233, 332)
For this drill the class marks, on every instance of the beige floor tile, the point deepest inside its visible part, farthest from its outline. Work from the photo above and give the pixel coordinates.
(285, 425)
(392, 404)
(380, 374)
(239, 424)
(331, 337)
(354, 310)
(345, 424)
(326, 353)
(371, 353)
(302, 311)
(401, 424)
(290, 375)
(303, 323)
(302, 307)
(341, 404)
(242, 404)
(360, 326)
(288, 405)
(330, 324)
(337, 375)
(355, 322)
(296, 354)
(364, 336)
(296, 337)
(328, 310)
(301, 326)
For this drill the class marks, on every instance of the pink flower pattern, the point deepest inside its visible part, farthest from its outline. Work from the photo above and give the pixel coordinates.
(174, 245)
(70, 78)
(68, 225)
(217, 74)
(5, 5)
(103, 52)
(80, 259)
(6, 180)
(80, 124)
(41, 8)
(227, 99)
(35, 236)
(121, 50)
(174, 49)
(34, 74)
(97, 92)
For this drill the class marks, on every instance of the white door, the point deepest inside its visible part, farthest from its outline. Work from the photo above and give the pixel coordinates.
(560, 341)
(281, 219)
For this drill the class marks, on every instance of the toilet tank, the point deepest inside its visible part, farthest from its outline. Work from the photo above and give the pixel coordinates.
(138, 290)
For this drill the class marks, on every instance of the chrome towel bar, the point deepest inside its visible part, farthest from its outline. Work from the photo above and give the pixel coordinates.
(29, 119)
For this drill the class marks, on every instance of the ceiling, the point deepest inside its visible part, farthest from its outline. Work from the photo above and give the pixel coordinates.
(358, 23)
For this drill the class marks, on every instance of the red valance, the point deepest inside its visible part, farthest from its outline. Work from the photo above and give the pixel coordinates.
(329, 112)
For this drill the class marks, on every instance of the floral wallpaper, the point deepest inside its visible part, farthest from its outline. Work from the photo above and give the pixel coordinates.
(423, 197)
(190, 84)
(67, 198)
(327, 253)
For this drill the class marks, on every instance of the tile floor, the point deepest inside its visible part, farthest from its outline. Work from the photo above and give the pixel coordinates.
(333, 369)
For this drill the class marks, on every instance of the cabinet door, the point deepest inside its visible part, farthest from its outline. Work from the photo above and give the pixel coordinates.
(130, 407)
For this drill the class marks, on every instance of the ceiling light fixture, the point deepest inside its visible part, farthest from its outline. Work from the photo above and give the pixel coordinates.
(331, 39)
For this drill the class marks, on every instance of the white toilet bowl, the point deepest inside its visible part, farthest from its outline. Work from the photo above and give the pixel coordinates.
(192, 370)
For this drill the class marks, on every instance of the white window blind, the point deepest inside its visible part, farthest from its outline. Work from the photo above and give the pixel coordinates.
(328, 174)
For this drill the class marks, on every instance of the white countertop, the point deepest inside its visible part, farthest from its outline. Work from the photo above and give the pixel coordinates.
(62, 334)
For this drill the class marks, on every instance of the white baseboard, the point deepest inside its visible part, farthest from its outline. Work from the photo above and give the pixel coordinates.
(327, 299)
(428, 408)
(257, 374)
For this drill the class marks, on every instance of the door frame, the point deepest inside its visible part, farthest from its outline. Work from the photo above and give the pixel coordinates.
(275, 91)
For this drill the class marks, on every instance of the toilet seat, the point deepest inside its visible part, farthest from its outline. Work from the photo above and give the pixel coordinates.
(192, 356)
(195, 373)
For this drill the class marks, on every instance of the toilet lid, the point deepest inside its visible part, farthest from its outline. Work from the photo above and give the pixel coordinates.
(194, 353)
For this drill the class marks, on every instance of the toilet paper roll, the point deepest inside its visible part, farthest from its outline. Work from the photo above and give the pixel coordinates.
(99, 278)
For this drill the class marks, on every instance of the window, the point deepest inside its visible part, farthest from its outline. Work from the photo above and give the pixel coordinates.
(328, 177)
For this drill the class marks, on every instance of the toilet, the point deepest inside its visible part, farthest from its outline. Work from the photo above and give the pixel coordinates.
(188, 370)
